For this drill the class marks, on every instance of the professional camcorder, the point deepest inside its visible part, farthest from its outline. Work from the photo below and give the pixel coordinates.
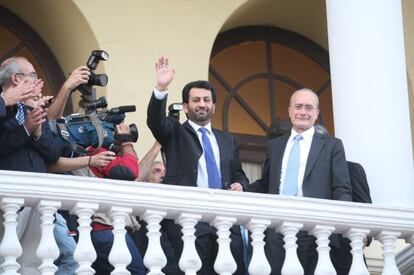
(97, 127)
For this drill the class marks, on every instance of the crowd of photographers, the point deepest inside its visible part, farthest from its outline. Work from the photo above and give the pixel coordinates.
(32, 139)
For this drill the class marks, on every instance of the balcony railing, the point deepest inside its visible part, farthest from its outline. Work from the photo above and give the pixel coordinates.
(187, 206)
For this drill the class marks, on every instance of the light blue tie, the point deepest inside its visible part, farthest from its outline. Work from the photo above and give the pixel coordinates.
(20, 113)
(214, 180)
(290, 185)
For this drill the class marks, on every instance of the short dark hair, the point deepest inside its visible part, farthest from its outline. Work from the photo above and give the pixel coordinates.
(202, 84)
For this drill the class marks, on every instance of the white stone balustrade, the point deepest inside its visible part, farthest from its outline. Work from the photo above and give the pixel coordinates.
(224, 264)
(291, 266)
(85, 253)
(357, 237)
(189, 262)
(258, 263)
(47, 250)
(154, 258)
(187, 206)
(119, 257)
(324, 266)
(10, 248)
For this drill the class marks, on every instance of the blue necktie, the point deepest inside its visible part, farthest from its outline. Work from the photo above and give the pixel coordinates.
(214, 180)
(20, 113)
(290, 185)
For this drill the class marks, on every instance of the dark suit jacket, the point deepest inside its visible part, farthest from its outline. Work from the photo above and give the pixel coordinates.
(20, 152)
(182, 148)
(326, 173)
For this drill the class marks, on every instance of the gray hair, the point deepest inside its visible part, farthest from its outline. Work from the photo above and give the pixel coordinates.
(305, 90)
(8, 68)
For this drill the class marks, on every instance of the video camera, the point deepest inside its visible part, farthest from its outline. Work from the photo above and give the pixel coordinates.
(97, 127)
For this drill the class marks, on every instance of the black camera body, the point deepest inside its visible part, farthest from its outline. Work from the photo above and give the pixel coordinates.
(94, 79)
(174, 110)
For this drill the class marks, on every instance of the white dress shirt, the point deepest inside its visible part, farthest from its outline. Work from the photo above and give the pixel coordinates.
(305, 145)
(202, 176)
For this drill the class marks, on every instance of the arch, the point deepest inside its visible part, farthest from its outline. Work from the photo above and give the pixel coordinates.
(64, 29)
(267, 44)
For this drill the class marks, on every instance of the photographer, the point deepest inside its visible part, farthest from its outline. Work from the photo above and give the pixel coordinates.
(79, 76)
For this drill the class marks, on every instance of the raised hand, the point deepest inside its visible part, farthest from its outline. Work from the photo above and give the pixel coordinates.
(34, 119)
(37, 87)
(19, 93)
(79, 76)
(164, 74)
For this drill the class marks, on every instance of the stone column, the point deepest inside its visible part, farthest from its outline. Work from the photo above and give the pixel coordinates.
(370, 96)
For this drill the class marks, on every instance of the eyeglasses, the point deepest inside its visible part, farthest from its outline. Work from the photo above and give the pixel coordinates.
(307, 107)
(33, 75)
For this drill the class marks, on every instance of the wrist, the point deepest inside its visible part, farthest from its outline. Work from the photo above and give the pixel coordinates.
(161, 88)
(127, 144)
(89, 161)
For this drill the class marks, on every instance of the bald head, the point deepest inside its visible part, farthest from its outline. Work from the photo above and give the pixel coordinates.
(306, 90)
(12, 66)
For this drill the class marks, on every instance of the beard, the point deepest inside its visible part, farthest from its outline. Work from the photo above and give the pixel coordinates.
(200, 115)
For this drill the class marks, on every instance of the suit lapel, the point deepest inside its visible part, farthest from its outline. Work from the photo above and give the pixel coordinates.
(318, 142)
(277, 156)
(188, 127)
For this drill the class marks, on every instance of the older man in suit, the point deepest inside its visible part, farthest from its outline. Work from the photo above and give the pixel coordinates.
(303, 163)
(196, 155)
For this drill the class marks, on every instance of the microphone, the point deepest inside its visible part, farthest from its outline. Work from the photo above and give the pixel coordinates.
(122, 109)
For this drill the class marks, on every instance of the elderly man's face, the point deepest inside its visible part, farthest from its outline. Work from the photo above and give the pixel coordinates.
(27, 72)
(303, 110)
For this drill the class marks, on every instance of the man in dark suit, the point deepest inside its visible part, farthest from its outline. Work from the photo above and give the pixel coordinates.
(26, 142)
(303, 163)
(196, 155)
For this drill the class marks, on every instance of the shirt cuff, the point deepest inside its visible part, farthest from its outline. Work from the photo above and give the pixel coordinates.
(160, 94)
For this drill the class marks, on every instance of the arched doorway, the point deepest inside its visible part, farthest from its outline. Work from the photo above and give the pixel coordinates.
(255, 70)
(19, 39)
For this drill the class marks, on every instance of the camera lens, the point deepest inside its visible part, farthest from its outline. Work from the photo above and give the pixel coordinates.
(134, 132)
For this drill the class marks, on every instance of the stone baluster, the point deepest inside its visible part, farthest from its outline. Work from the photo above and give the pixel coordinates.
(357, 237)
(291, 265)
(154, 259)
(258, 263)
(10, 248)
(224, 264)
(47, 251)
(119, 257)
(324, 265)
(190, 262)
(85, 253)
(388, 238)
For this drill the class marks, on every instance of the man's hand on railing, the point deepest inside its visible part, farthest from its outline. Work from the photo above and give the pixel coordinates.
(236, 186)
